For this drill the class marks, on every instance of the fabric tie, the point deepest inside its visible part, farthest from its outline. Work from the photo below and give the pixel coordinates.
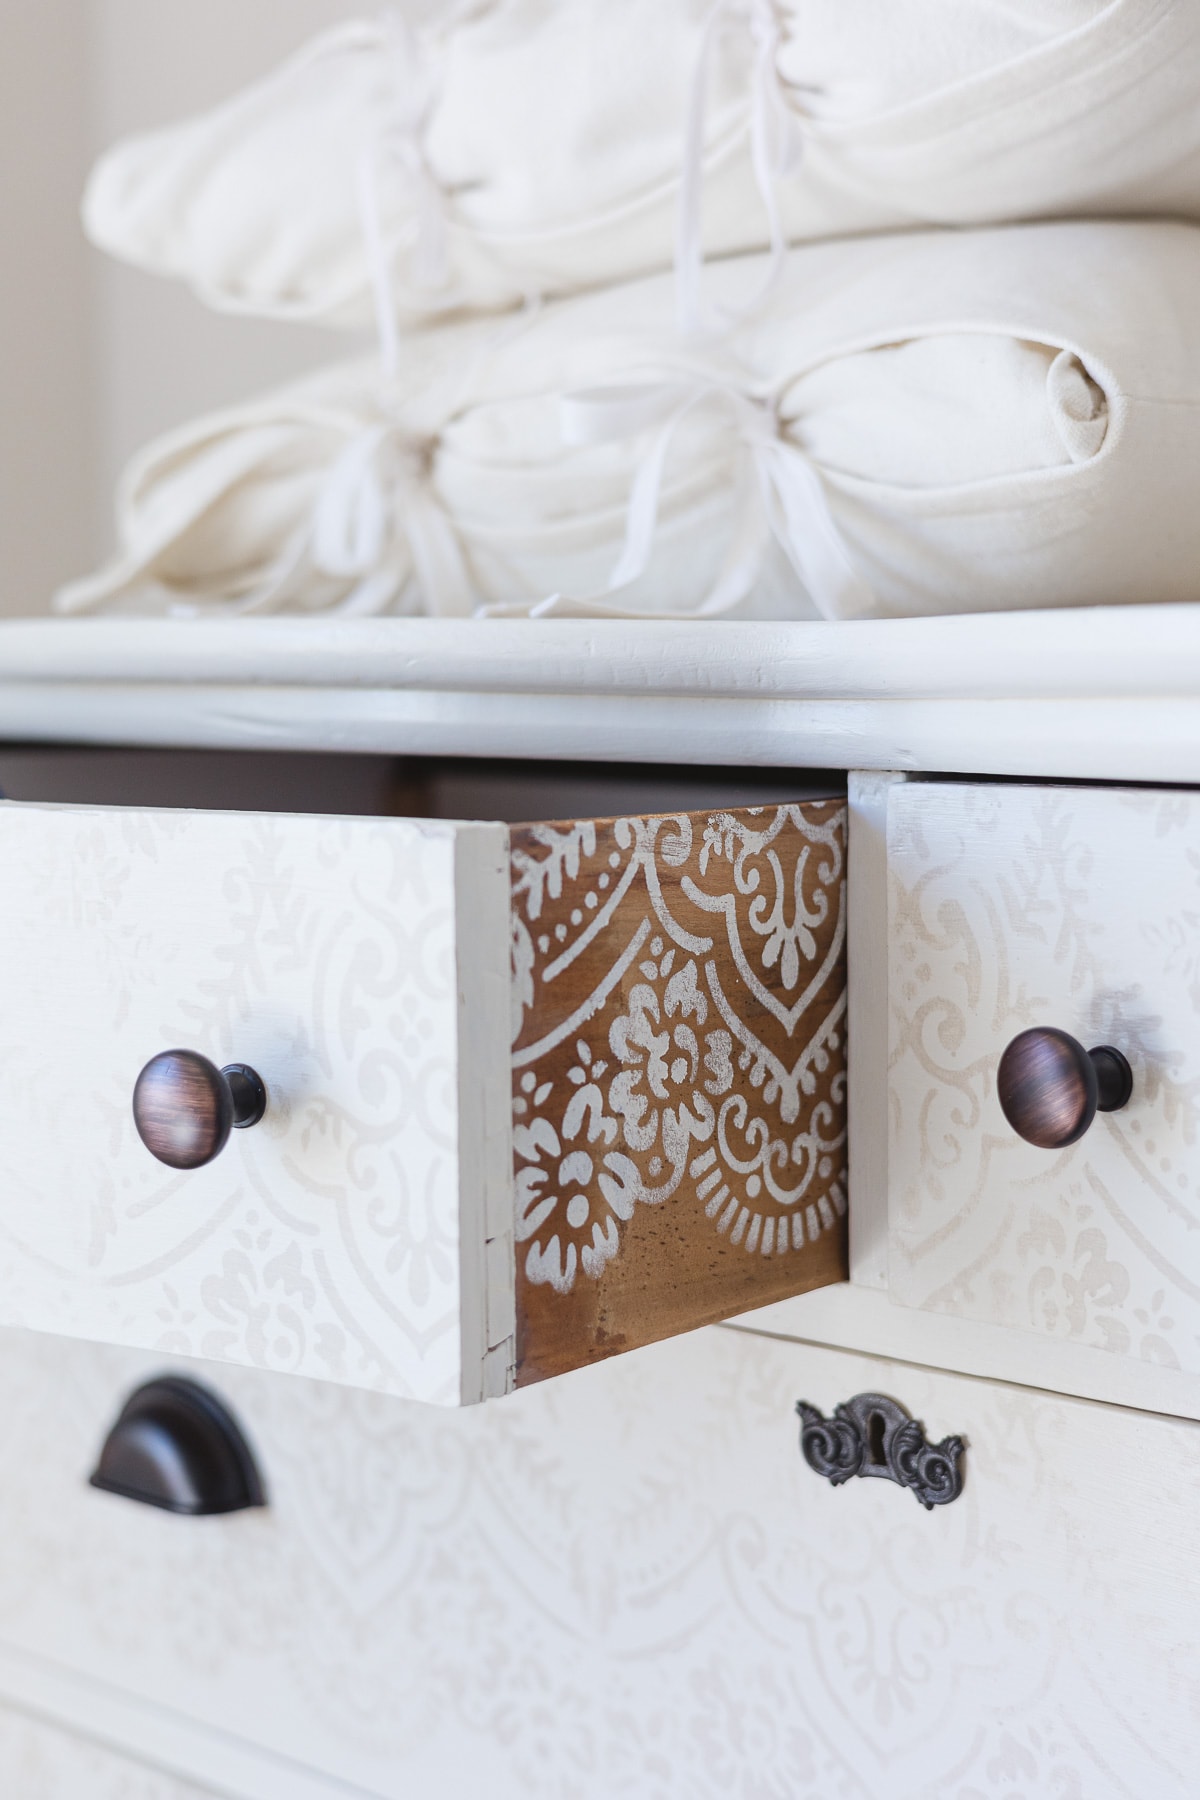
(376, 495)
(776, 145)
(400, 146)
(780, 495)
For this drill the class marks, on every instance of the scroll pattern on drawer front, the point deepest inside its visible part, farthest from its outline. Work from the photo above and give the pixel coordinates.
(678, 1081)
(630, 1584)
(326, 1241)
(679, 1072)
(1019, 907)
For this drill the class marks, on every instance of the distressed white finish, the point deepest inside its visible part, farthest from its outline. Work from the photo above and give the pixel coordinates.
(1019, 906)
(361, 967)
(866, 984)
(1098, 693)
(847, 1316)
(860, 1315)
(40, 1761)
(625, 1581)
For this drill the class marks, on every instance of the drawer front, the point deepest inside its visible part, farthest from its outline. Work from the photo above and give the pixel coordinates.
(358, 966)
(529, 1102)
(628, 1581)
(40, 1761)
(1013, 908)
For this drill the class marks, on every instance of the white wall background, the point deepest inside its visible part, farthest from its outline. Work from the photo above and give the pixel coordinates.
(95, 358)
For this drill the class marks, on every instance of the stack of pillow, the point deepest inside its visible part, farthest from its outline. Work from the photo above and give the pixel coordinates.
(772, 309)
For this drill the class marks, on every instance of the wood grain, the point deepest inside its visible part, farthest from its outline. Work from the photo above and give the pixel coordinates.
(679, 1073)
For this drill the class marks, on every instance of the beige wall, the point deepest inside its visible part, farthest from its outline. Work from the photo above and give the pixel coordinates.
(95, 358)
(46, 420)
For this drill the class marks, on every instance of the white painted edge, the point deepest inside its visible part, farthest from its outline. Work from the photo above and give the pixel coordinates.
(1083, 651)
(863, 1319)
(1154, 738)
(867, 1024)
(482, 932)
(158, 1736)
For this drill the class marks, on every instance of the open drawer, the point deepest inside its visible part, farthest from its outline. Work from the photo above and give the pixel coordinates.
(533, 1096)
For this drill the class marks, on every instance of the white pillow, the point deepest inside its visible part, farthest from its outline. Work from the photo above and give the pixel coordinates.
(927, 423)
(530, 147)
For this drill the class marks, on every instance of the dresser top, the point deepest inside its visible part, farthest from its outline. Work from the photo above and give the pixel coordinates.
(1107, 693)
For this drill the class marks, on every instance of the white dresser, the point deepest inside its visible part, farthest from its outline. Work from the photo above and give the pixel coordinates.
(291, 845)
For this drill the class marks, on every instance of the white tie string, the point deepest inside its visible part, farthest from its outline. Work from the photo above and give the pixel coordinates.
(417, 81)
(776, 145)
(780, 495)
(379, 490)
(377, 499)
(400, 147)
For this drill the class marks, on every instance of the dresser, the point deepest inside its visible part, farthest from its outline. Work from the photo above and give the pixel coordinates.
(701, 1070)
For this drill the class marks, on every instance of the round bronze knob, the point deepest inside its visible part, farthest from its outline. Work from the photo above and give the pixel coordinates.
(1051, 1088)
(184, 1107)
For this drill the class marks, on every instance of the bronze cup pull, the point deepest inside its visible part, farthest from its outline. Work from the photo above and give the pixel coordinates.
(184, 1107)
(176, 1445)
(1051, 1088)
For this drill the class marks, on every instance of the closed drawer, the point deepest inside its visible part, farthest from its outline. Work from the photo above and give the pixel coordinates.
(41, 1761)
(1020, 907)
(531, 1097)
(627, 1581)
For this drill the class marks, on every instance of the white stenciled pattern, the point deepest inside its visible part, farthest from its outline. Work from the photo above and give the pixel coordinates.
(1015, 907)
(653, 1095)
(628, 1581)
(677, 1086)
(327, 1240)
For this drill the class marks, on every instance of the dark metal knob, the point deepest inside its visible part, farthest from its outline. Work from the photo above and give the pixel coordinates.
(184, 1107)
(1051, 1088)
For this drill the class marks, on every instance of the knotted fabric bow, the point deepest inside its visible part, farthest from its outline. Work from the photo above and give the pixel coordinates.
(377, 496)
(780, 495)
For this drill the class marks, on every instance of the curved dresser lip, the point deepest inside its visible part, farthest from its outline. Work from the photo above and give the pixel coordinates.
(1094, 693)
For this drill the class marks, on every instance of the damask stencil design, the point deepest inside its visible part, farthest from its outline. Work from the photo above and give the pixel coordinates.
(629, 1583)
(1011, 907)
(678, 1070)
(321, 951)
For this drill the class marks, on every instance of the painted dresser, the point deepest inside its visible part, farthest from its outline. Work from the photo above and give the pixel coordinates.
(632, 1008)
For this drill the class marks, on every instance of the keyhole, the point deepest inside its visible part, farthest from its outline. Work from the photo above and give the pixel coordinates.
(875, 1440)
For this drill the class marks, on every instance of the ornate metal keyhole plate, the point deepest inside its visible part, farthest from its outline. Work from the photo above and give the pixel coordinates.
(874, 1436)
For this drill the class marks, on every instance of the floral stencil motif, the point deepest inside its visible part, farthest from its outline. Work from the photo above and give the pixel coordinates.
(1011, 907)
(679, 1032)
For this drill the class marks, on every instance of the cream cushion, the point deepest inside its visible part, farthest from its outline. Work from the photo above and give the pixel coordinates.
(926, 423)
(537, 147)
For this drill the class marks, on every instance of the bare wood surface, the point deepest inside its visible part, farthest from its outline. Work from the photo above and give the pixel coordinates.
(678, 1073)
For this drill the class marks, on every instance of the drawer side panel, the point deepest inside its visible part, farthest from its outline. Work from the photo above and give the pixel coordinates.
(679, 1073)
